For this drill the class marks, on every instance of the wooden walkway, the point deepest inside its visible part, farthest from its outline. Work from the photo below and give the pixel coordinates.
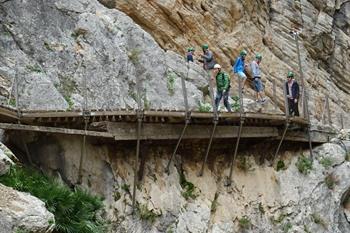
(157, 124)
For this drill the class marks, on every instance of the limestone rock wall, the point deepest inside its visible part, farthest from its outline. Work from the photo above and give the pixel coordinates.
(260, 199)
(261, 26)
(61, 49)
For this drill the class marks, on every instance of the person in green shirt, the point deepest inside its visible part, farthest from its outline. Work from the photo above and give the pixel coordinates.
(222, 87)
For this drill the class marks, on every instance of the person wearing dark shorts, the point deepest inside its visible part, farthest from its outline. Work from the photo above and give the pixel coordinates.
(258, 86)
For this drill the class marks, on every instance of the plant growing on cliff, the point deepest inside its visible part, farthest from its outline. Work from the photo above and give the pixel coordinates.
(244, 223)
(316, 218)
(235, 106)
(171, 82)
(145, 213)
(188, 188)
(330, 181)
(280, 165)
(243, 163)
(204, 107)
(214, 203)
(286, 227)
(74, 210)
(304, 165)
(326, 162)
(134, 55)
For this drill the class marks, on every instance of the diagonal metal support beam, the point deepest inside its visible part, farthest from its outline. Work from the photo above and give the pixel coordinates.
(229, 178)
(280, 143)
(187, 119)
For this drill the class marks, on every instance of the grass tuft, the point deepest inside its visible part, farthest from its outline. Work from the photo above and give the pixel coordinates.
(304, 165)
(244, 223)
(188, 187)
(330, 181)
(326, 162)
(280, 165)
(171, 76)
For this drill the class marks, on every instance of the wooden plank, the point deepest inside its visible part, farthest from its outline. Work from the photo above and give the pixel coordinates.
(8, 112)
(316, 136)
(33, 128)
(151, 131)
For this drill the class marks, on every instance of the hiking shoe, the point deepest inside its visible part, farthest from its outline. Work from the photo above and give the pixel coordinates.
(263, 100)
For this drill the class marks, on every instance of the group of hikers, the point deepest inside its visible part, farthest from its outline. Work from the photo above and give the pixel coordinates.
(239, 67)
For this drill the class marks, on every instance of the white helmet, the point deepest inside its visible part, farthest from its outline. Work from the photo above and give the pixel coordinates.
(217, 66)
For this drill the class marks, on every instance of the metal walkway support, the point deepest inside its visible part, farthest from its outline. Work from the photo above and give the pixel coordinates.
(138, 133)
(228, 180)
(308, 120)
(82, 152)
(187, 119)
(286, 109)
(215, 123)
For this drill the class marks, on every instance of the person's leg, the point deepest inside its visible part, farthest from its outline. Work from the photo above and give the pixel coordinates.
(242, 78)
(217, 99)
(256, 87)
(226, 103)
(296, 109)
(290, 106)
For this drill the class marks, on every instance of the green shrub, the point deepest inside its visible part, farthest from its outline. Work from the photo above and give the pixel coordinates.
(134, 55)
(171, 82)
(35, 68)
(146, 214)
(280, 165)
(69, 102)
(304, 164)
(326, 162)
(12, 102)
(204, 107)
(244, 223)
(235, 106)
(330, 181)
(318, 220)
(286, 227)
(243, 163)
(188, 187)
(74, 210)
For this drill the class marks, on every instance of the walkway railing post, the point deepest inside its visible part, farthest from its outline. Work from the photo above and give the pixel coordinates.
(215, 122)
(341, 121)
(286, 107)
(328, 110)
(296, 38)
(274, 93)
(308, 121)
(228, 180)
(187, 118)
(138, 133)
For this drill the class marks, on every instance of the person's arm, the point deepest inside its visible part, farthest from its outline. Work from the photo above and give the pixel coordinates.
(227, 82)
(234, 68)
(208, 57)
(254, 67)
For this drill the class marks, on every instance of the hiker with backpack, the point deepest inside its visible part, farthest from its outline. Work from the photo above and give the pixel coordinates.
(292, 88)
(222, 87)
(255, 67)
(239, 67)
(207, 58)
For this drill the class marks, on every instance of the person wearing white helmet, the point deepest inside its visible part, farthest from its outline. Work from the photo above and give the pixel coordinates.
(222, 87)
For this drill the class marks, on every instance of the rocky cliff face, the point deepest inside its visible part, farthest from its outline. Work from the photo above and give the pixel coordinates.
(296, 198)
(260, 26)
(61, 51)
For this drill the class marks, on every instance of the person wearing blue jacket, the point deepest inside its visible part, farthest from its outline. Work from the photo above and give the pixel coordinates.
(239, 67)
(292, 88)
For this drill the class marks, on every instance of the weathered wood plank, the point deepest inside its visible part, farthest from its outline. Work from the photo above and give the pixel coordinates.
(151, 131)
(33, 128)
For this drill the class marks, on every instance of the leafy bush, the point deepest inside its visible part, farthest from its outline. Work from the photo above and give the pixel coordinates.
(188, 187)
(74, 210)
(326, 162)
(280, 165)
(171, 82)
(304, 164)
(330, 181)
(243, 163)
(235, 106)
(146, 214)
(204, 107)
(286, 227)
(244, 223)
